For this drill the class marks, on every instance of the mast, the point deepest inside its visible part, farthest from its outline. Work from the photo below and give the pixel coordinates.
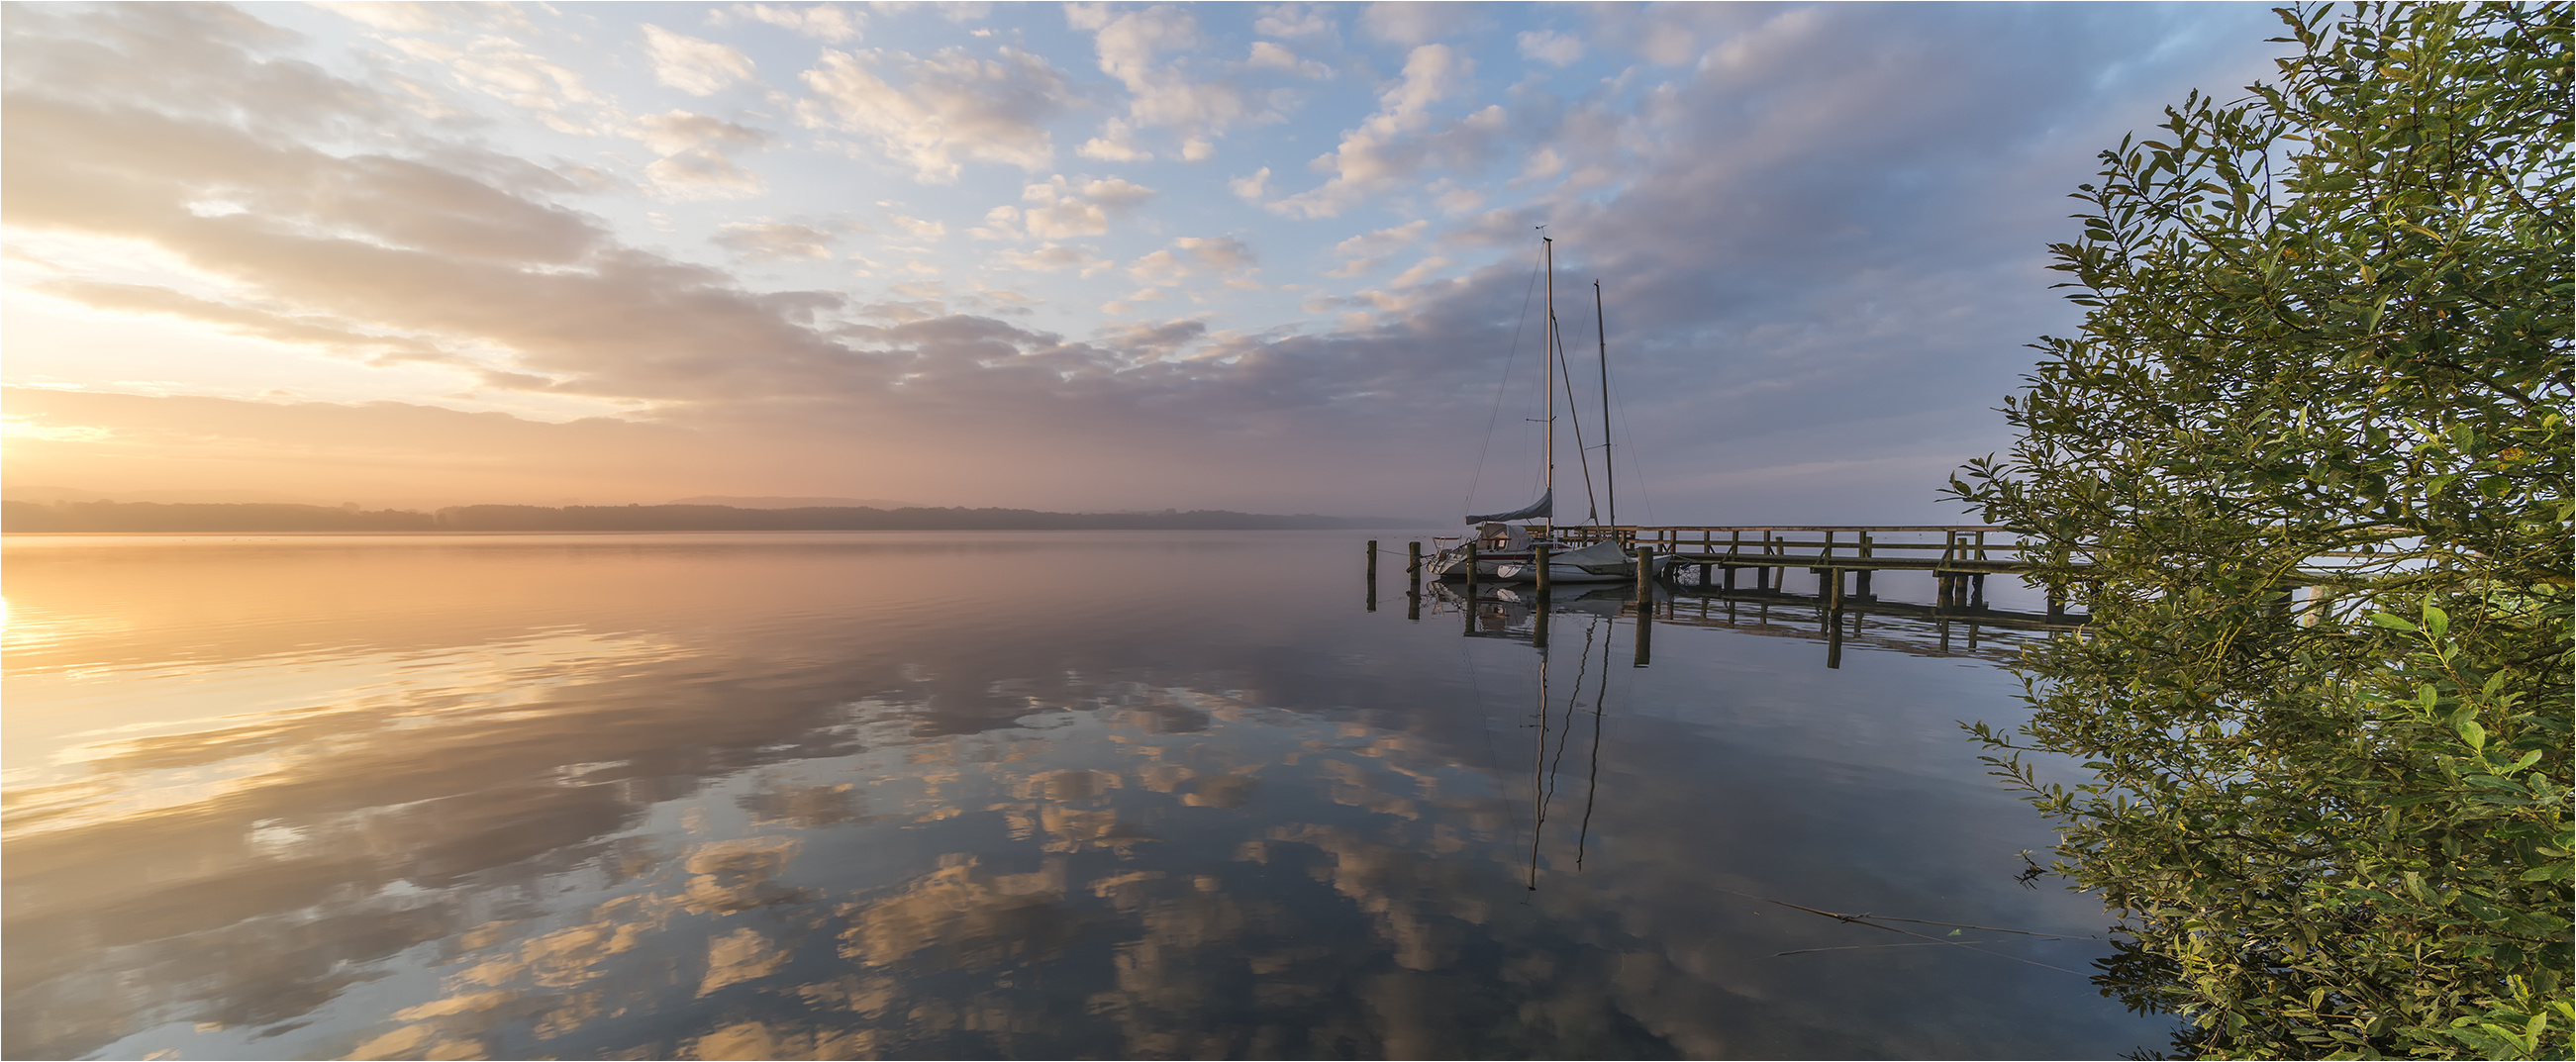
(1609, 471)
(1547, 366)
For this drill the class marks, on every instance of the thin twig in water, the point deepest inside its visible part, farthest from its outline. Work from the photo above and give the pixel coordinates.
(1864, 920)
(1898, 944)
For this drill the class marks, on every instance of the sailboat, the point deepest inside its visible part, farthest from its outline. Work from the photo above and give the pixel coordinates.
(1508, 551)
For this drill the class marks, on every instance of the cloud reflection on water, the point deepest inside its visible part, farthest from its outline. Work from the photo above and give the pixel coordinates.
(868, 795)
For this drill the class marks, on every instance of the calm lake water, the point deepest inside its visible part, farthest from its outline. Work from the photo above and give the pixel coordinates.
(988, 795)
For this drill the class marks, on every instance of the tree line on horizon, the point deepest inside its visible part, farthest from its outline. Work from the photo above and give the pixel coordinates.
(20, 517)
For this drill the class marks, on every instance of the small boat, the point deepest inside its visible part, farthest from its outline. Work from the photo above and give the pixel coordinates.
(1507, 551)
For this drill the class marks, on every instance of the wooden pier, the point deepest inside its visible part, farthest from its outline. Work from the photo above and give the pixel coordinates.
(1959, 556)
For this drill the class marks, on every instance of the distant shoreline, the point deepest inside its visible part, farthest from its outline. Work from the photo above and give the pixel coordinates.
(19, 518)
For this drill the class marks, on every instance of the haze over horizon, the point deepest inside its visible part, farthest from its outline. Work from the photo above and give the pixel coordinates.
(1263, 258)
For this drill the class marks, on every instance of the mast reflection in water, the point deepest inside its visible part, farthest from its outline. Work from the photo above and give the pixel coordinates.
(1146, 795)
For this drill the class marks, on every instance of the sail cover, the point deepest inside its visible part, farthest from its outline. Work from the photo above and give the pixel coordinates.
(1544, 506)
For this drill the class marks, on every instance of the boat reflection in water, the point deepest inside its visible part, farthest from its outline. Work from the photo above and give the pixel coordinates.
(875, 795)
(1524, 614)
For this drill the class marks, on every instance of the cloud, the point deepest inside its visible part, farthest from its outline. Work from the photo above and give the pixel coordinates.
(1550, 47)
(503, 69)
(1192, 256)
(432, 16)
(761, 241)
(1420, 272)
(697, 67)
(1363, 252)
(1826, 224)
(696, 160)
(1154, 341)
(918, 228)
(1251, 188)
(1415, 23)
(956, 108)
(1294, 21)
(1269, 55)
(676, 131)
(1159, 96)
(1058, 208)
(1116, 143)
(319, 332)
(1381, 150)
(830, 23)
(1053, 258)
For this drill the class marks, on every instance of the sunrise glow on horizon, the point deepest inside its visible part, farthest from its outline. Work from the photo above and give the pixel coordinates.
(1272, 258)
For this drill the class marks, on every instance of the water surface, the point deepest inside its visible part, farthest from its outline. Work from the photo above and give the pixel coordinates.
(1126, 794)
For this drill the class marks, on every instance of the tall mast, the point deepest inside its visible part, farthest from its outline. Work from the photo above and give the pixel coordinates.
(1547, 365)
(1609, 471)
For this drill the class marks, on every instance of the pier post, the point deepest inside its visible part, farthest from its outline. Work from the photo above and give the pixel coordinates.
(1834, 640)
(1372, 575)
(1645, 628)
(1833, 589)
(1977, 587)
(1645, 573)
(1538, 561)
(2056, 605)
(1470, 562)
(1860, 585)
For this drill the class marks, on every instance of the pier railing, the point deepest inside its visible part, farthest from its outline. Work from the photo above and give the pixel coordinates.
(1932, 547)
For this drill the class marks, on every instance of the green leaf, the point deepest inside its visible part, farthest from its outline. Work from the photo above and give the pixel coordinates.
(2471, 732)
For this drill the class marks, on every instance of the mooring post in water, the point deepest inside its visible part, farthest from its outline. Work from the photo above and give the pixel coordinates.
(1538, 561)
(1470, 561)
(1645, 573)
(1413, 562)
(1372, 575)
(1413, 602)
(1645, 629)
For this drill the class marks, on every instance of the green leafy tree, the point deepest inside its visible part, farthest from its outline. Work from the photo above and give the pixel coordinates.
(2306, 464)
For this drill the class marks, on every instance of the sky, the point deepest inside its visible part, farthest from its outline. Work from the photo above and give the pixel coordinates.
(1272, 258)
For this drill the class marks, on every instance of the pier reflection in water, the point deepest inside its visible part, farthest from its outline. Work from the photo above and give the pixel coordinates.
(992, 795)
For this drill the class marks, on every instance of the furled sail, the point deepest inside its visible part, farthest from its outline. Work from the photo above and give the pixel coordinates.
(1544, 506)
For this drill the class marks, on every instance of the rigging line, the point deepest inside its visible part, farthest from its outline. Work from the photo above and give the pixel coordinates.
(1609, 468)
(1538, 764)
(1592, 789)
(1593, 515)
(1500, 386)
(1636, 466)
(1544, 774)
(1565, 736)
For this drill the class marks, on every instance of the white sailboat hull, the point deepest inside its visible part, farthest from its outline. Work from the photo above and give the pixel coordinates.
(1602, 562)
